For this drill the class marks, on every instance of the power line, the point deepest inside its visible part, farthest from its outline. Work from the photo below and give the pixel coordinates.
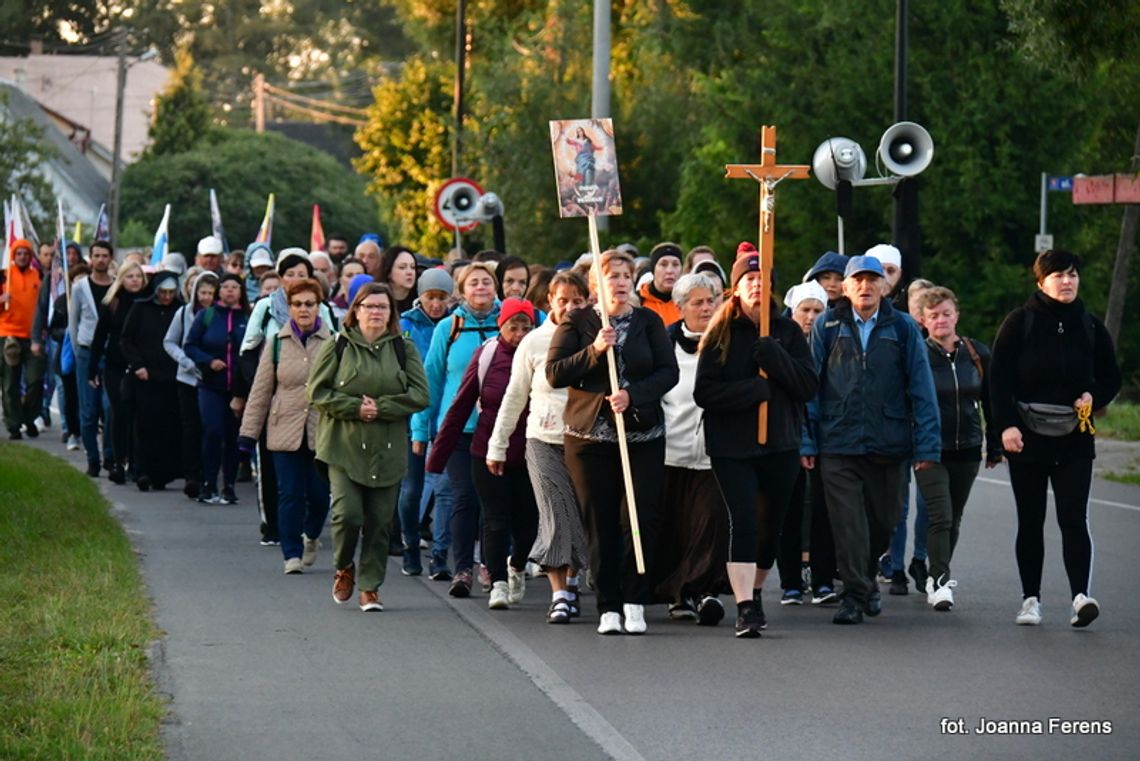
(329, 105)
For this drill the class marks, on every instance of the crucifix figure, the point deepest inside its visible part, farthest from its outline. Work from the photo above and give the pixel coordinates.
(769, 174)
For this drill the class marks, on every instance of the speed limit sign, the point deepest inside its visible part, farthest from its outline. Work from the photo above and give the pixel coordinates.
(455, 204)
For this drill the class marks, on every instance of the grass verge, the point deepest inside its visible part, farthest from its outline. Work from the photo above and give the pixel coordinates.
(1120, 421)
(75, 621)
(1124, 478)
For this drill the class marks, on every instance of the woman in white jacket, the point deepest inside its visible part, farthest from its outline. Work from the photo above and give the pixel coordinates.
(693, 540)
(203, 288)
(561, 547)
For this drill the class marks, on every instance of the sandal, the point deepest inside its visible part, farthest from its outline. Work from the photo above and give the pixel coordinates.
(559, 612)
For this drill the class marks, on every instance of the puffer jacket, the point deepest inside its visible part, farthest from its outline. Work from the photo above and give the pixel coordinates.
(373, 454)
(876, 402)
(279, 395)
(445, 364)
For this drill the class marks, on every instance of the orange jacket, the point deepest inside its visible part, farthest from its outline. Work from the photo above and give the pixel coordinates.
(666, 310)
(24, 286)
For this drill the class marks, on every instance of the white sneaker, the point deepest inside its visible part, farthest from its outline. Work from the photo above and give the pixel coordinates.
(941, 597)
(293, 565)
(1085, 610)
(500, 597)
(610, 623)
(930, 591)
(534, 570)
(72, 444)
(1030, 613)
(634, 619)
(309, 553)
(516, 584)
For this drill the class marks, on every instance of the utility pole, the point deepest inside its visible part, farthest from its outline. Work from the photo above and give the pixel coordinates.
(259, 103)
(600, 95)
(117, 156)
(460, 65)
(906, 233)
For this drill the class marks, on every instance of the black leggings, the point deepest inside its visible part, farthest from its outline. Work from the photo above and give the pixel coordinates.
(807, 498)
(757, 491)
(510, 516)
(1071, 483)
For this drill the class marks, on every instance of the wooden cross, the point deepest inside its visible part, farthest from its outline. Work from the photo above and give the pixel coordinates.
(769, 174)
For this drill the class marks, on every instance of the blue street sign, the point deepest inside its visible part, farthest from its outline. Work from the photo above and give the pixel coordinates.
(1062, 184)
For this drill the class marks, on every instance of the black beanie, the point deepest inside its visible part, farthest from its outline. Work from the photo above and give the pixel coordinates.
(662, 250)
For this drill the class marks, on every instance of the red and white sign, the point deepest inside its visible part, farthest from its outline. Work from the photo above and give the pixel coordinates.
(455, 204)
(1127, 188)
(1095, 189)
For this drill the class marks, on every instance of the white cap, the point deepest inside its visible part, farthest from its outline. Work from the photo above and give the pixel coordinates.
(292, 251)
(261, 258)
(886, 253)
(804, 291)
(174, 262)
(210, 245)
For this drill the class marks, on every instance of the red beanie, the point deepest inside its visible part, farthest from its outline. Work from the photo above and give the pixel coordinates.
(514, 306)
(744, 249)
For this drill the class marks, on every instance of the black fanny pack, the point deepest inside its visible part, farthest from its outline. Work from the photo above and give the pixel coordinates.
(1048, 419)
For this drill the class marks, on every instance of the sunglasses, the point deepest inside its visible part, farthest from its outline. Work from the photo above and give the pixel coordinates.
(305, 304)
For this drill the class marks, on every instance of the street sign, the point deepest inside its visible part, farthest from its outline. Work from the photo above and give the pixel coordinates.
(455, 204)
(1042, 243)
(1060, 184)
(1095, 189)
(1127, 188)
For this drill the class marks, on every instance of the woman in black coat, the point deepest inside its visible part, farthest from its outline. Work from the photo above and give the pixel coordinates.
(646, 369)
(157, 424)
(1052, 352)
(756, 480)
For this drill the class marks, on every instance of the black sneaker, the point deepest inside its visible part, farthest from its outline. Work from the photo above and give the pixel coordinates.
(747, 624)
(792, 597)
(684, 610)
(228, 496)
(461, 586)
(143, 483)
(32, 431)
(117, 475)
(899, 584)
(208, 497)
(710, 611)
(437, 568)
(93, 469)
(825, 595)
(848, 613)
(758, 606)
(14, 434)
(191, 489)
(918, 572)
(874, 603)
(413, 565)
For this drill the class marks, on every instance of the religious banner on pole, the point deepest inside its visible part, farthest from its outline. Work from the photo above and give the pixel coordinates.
(265, 232)
(586, 173)
(102, 224)
(216, 222)
(161, 239)
(585, 167)
(769, 175)
(317, 232)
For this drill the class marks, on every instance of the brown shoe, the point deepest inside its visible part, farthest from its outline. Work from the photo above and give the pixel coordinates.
(342, 585)
(370, 601)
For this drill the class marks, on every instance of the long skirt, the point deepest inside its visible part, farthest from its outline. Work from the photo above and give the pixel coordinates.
(561, 537)
(692, 546)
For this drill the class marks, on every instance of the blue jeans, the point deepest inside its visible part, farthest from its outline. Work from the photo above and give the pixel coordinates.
(411, 494)
(464, 507)
(302, 500)
(898, 539)
(51, 349)
(438, 485)
(91, 402)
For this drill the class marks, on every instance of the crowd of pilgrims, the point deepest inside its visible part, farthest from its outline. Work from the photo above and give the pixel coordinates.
(459, 414)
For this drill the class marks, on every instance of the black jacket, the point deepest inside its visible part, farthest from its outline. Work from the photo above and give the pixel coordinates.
(1054, 364)
(960, 389)
(650, 368)
(141, 339)
(731, 392)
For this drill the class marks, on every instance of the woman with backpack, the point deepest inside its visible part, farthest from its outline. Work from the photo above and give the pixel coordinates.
(510, 515)
(277, 403)
(1053, 366)
(213, 343)
(365, 384)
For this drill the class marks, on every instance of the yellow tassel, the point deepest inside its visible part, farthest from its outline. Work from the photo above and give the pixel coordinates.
(1084, 415)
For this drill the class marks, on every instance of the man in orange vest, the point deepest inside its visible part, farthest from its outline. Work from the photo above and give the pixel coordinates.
(21, 288)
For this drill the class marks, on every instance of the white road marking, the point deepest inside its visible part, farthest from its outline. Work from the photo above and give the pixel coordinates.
(1110, 503)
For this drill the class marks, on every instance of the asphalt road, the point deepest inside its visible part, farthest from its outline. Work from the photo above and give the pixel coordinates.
(259, 665)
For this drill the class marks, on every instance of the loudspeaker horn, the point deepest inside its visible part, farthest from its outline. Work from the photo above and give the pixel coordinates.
(838, 158)
(906, 149)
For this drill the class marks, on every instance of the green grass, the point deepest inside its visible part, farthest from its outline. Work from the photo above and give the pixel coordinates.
(1120, 421)
(74, 621)
(1124, 478)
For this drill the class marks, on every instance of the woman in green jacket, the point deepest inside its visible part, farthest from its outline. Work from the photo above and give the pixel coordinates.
(365, 385)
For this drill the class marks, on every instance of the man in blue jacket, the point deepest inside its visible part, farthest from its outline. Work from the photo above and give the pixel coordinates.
(875, 410)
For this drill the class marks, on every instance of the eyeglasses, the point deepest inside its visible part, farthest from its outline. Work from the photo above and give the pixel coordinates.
(375, 307)
(305, 304)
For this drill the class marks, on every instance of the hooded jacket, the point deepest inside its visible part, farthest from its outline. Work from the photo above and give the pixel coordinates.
(218, 340)
(668, 311)
(418, 327)
(879, 401)
(446, 363)
(144, 333)
(178, 331)
(23, 289)
(373, 454)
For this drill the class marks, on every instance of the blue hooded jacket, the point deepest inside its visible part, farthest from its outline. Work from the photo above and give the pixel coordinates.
(418, 327)
(445, 364)
(829, 262)
(252, 284)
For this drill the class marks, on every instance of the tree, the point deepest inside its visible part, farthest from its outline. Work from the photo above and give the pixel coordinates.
(54, 22)
(22, 152)
(244, 167)
(181, 113)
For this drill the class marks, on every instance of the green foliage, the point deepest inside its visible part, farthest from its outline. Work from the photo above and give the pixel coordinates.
(244, 167)
(22, 152)
(181, 113)
(1120, 420)
(23, 20)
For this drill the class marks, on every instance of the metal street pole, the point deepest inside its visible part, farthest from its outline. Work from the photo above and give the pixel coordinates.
(117, 156)
(600, 95)
(907, 234)
(1044, 203)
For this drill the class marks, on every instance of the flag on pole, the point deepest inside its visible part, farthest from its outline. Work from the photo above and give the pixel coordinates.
(60, 237)
(317, 236)
(58, 275)
(265, 234)
(216, 222)
(102, 224)
(8, 235)
(16, 223)
(161, 238)
(77, 235)
(29, 228)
